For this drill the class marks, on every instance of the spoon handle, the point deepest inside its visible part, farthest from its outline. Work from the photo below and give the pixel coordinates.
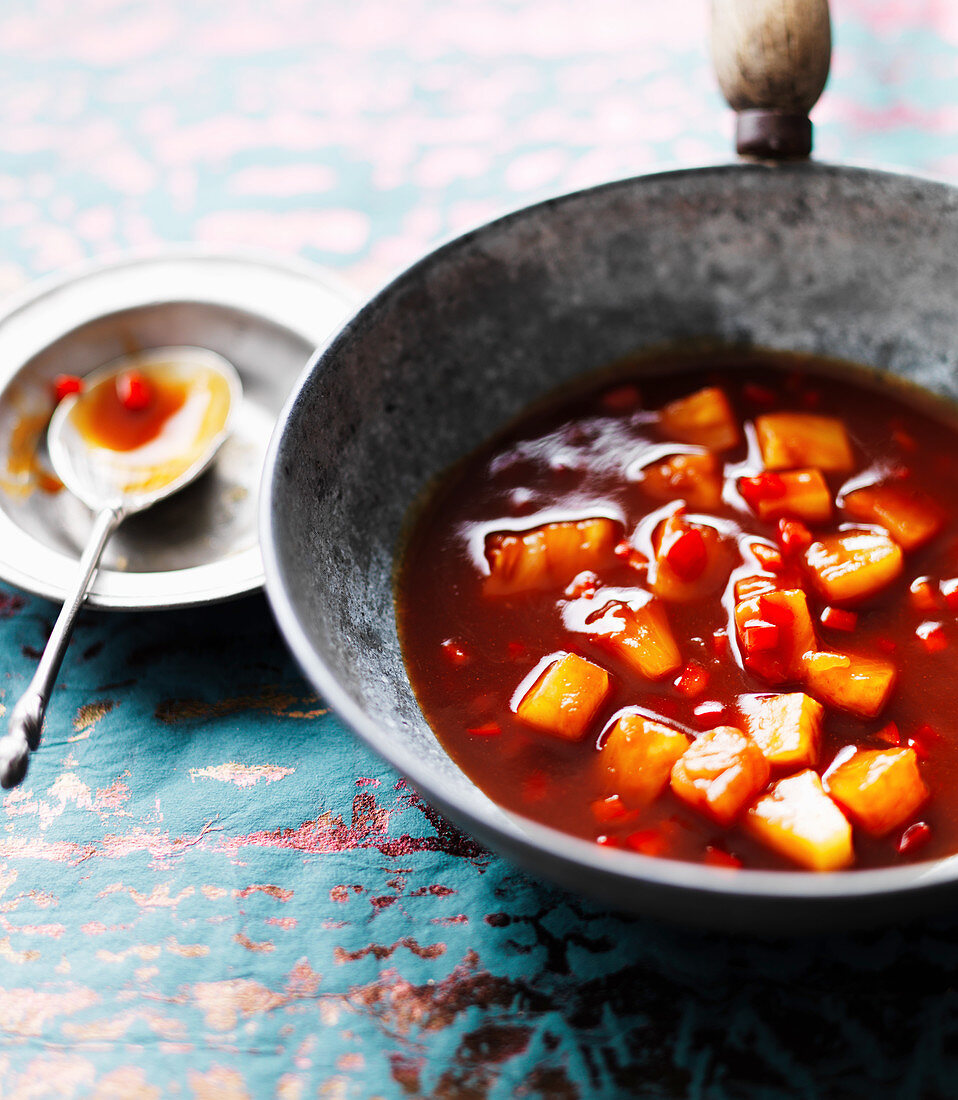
(26, 720)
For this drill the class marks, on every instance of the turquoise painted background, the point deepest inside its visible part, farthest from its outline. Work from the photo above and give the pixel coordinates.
(207, 887)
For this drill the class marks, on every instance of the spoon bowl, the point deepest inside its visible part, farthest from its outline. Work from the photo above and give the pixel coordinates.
(140, 429)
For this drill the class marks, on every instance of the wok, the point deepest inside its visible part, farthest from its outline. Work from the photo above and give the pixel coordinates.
(776, 251)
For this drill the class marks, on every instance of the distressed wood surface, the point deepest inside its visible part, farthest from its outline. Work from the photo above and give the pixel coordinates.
(207, 888)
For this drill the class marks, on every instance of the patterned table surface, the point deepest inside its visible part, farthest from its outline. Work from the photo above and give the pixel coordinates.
(207, 887)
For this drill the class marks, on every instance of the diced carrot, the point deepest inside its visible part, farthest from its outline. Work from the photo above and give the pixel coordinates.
(694, 478)
(720, 773)
(789, 440)
(911, 518)
(769, 557)
(787, 728)
(932, 636)
(914, 837)
(922, 594)
(648, 842)
(639, 754)
(878, 788)
(640, 636)
(565, 697)
(838, 619)
(752, 585)
(691, 560)
(788, 611)
(798, 820)
(704, 418)
(799, 494)
(850, 682)
(852, 565)
(720, 642)
(548, 556)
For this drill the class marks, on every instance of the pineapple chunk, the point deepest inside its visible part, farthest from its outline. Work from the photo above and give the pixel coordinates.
(798, 820)
(640, 754)
(564, 698)
(720, 773)
(694, 478)
(691, 560)
(852, 682)
(788, 610)
(548, 556)
(852, 565)
(787, 728)
(640, 636)
(790, 440)
(910, 517)
(806, 497)
(878, 788)
(704, 418)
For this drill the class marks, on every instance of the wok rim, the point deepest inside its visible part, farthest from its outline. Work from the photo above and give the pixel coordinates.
(528, 838)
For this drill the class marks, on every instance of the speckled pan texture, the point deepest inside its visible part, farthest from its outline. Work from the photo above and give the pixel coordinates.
(854, 264)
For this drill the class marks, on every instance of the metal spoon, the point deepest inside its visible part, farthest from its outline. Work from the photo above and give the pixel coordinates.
(114, 485)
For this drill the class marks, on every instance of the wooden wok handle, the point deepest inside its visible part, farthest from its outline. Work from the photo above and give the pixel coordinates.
(771, 58)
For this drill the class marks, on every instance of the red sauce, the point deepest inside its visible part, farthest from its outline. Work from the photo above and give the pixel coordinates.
(491, 598)
(106, 417)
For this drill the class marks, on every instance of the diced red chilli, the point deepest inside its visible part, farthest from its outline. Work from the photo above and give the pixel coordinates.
(774, 612)
(621, 398)
(487, 729)
(764, 486)
(454, 652)
(686, 554)
(609, 809)
(794, 536)
(66, 384)
(759, 395)
(649, 842)
(516, 651)
(692, 680)
(949, 590)
(720, 642)
(133, 390)
(914, 837)
(838, 619)
(608, 841)
(718, 857)
(932, 635)
(889, 734)
(760, 636)
(710, 714)
(922, 594)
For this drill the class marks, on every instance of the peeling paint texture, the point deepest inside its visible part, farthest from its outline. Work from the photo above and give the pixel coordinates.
(207, 887)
